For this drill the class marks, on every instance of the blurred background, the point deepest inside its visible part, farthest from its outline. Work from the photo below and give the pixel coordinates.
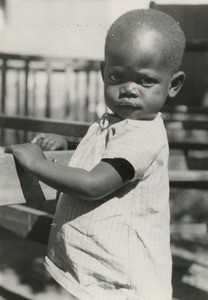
(50, 53)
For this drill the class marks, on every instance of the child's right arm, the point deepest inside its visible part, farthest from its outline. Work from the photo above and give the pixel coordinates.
(92, 185)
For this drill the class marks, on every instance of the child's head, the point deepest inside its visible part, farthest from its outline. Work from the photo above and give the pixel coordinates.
(143, 53)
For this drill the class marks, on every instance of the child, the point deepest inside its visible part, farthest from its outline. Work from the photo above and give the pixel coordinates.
(110, 234)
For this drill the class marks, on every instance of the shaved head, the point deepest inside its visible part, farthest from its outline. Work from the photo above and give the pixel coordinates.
(129, 26)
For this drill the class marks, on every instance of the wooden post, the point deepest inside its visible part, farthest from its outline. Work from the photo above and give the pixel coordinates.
(3, 85)
(3, 93)
(34, 104)
(48, 91)
(26, 88)
(18, 106)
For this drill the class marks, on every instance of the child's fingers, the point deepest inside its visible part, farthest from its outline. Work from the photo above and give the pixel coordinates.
(43, 143)
(47, 144)
(56, 146)
(52, 144)
(38, 137)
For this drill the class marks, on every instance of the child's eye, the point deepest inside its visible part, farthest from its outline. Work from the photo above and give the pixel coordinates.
(147, 82)
(115, 77)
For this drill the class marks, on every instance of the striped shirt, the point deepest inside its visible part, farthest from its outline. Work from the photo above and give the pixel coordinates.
(117, 248)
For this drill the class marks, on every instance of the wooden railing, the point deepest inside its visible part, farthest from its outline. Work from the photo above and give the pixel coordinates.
(50, 87)
(57, 87)
(26, 80)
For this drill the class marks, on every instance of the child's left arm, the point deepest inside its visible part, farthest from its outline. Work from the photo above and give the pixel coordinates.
(102, 180)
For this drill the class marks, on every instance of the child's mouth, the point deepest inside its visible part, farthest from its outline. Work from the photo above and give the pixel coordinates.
(130, 102)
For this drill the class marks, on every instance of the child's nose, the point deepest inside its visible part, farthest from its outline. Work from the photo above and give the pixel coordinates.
(129, 90)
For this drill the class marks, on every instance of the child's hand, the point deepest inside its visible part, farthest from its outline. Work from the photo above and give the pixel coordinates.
(26, 154)
(50, 141)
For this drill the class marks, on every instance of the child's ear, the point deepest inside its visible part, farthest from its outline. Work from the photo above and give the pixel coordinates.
(177, 81)
(102, 68)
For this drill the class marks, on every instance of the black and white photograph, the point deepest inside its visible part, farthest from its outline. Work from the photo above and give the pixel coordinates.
(103, 150)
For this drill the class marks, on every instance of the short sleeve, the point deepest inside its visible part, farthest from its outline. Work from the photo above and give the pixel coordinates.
(139, 145)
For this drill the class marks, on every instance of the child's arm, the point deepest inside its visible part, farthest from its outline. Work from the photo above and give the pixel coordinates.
(90, 185)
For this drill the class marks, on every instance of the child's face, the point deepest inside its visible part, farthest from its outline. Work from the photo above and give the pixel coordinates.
(136, 80)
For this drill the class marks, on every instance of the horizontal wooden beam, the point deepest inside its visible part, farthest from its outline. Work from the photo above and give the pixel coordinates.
(195, 161)
(185, 109)
(74, 63)
(26, 222)
(183, 134)
(186, 124)
(175, 120)
(188, 139)
(189, 179)
(72, 129)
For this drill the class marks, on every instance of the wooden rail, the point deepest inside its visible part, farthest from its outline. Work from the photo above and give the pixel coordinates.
(73, 129)
(18, 187)
(183, 134)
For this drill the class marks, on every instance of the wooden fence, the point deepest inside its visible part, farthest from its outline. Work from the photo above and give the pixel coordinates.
(39, 86)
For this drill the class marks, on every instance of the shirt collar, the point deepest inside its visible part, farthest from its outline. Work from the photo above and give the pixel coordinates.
(107, 120)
